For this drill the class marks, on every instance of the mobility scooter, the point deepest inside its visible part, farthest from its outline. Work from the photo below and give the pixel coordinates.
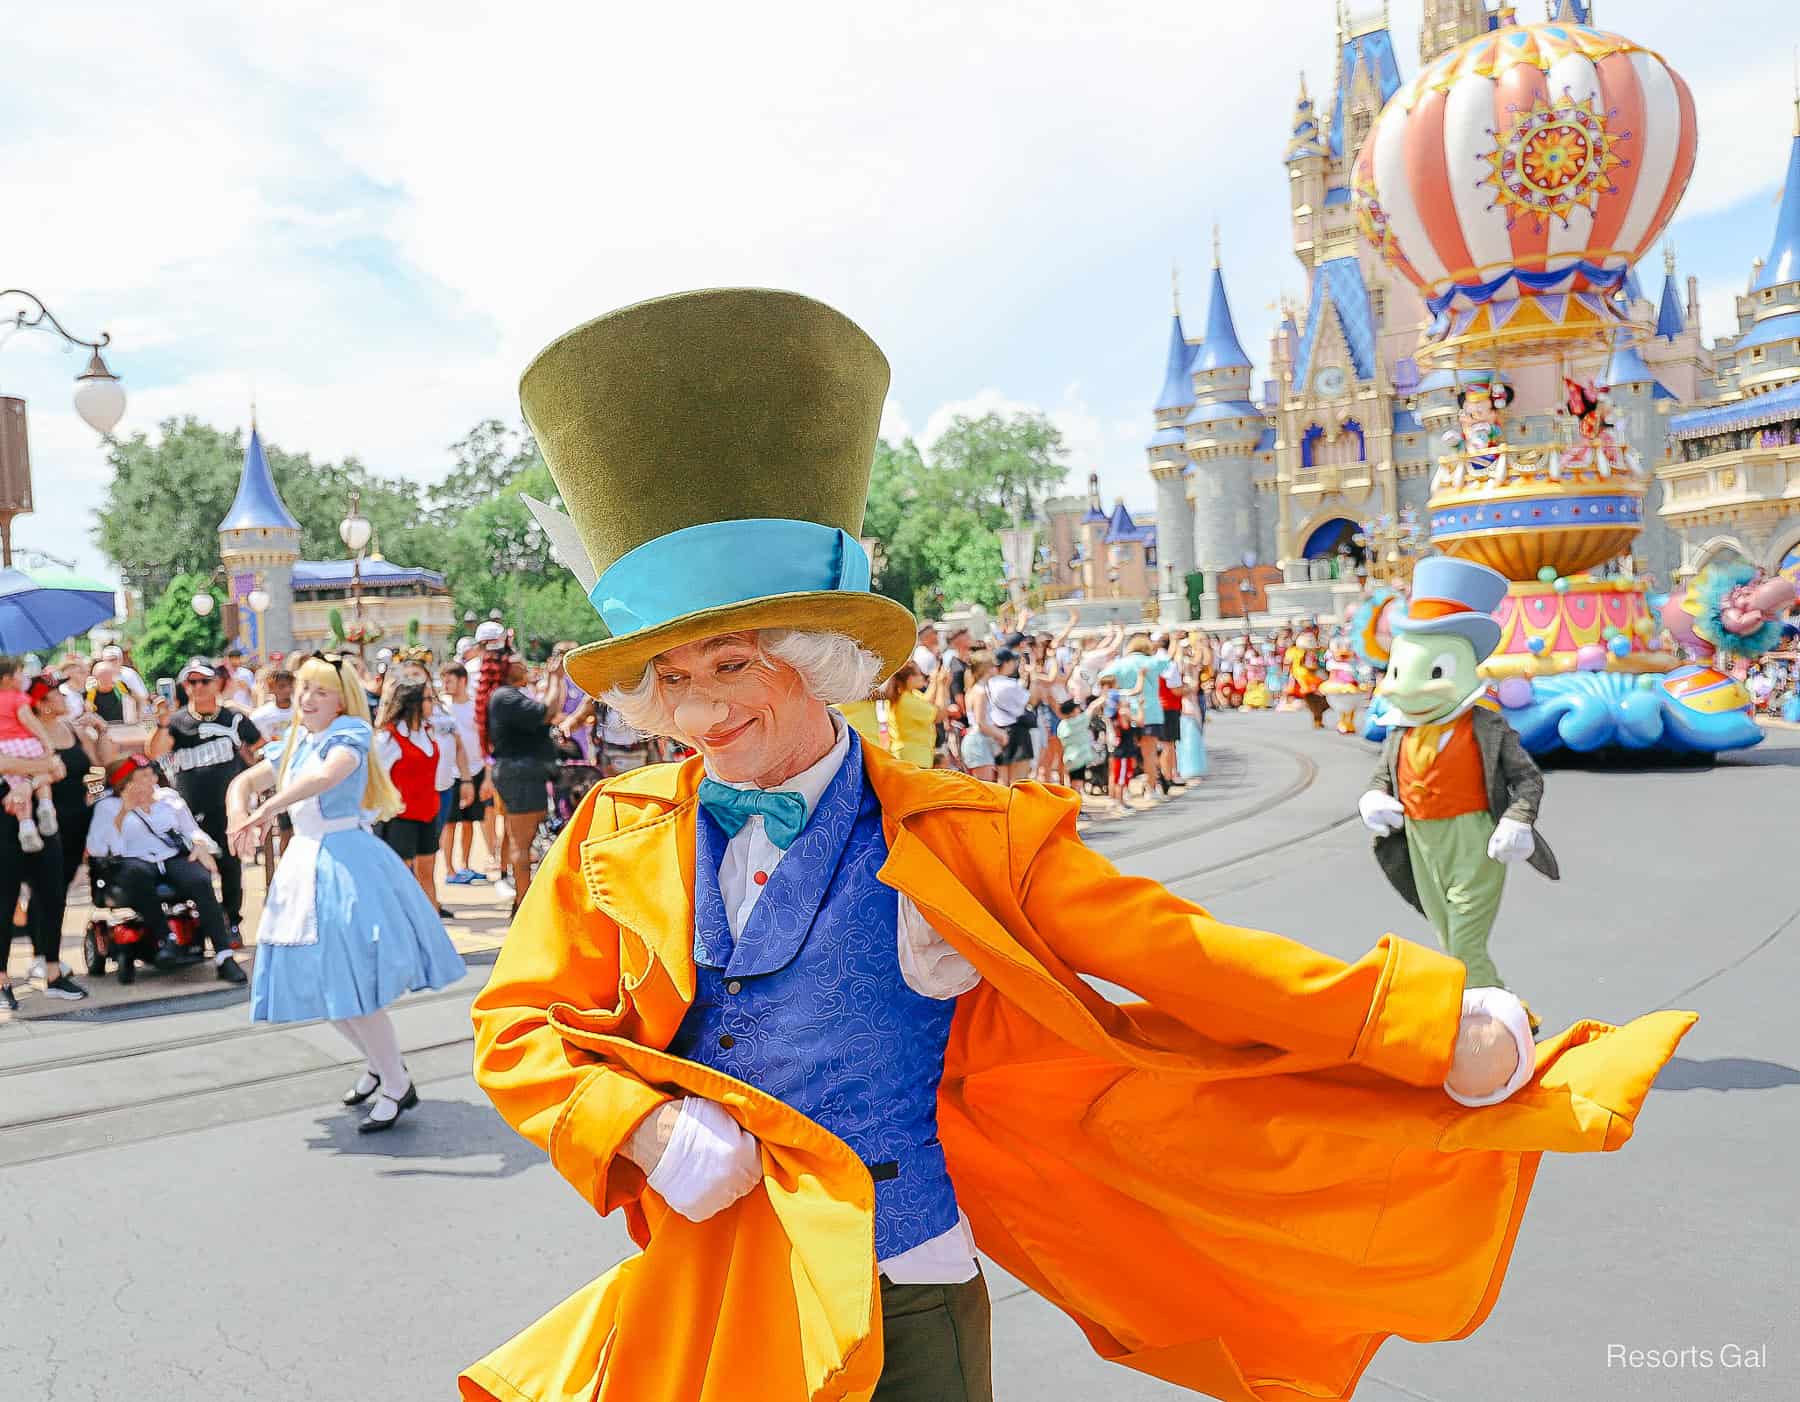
(117, 931)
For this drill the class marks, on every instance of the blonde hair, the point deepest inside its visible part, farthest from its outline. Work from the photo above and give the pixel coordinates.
(1139, 646)
(379, 794)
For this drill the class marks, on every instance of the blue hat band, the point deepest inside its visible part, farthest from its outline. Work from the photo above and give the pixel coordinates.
(725, 562)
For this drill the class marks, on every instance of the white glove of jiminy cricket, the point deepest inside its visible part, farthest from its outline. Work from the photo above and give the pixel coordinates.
(710, 1161)
(1512, 841)
(1382, 813)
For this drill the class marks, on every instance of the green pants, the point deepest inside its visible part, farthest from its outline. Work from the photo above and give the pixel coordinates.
(1460, 887)
(936, 1342)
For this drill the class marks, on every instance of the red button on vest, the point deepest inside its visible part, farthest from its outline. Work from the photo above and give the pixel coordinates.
(761, 878)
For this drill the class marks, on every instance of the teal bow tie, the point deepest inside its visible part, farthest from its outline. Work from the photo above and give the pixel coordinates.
(782, 810)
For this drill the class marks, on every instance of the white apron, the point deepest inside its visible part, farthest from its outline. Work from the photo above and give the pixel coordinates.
(290, 910)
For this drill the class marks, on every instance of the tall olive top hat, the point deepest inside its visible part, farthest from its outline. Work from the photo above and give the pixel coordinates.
(713, 449)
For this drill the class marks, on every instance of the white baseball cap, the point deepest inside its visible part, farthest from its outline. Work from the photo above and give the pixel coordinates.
(492, 631)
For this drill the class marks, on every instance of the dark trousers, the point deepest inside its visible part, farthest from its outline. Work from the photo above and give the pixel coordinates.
(136, 881)
(42, 871)
(937, 1343)
(231, 870)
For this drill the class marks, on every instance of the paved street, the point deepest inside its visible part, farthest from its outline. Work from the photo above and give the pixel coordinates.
(186, 1214)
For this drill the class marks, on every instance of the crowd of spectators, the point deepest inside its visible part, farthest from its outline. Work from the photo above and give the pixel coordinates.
(1117, 713)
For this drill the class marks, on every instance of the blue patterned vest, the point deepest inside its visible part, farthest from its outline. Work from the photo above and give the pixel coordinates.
(808, 1004)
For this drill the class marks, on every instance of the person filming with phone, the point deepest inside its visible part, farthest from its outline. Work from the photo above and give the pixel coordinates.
(153, 838)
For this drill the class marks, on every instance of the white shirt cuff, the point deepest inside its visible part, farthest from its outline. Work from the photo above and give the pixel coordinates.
(1499, 1003)
(929, 963)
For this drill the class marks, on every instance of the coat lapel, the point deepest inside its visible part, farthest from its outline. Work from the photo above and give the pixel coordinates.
(641, 875)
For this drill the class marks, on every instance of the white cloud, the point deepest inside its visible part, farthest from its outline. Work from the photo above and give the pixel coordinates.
(376, 214)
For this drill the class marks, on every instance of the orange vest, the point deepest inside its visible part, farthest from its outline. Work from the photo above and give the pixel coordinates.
(1451, 783)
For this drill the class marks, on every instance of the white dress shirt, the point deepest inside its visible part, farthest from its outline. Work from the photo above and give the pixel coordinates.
(928, 962)
(139, 836)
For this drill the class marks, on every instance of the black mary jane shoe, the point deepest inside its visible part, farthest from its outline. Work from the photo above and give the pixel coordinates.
(371, 1125)
(355, 1097)
(230, 972)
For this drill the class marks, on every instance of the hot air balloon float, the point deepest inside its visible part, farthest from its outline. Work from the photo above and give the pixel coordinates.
(1515, 181)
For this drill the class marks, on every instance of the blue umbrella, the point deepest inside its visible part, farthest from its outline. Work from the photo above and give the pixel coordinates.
(38, 613)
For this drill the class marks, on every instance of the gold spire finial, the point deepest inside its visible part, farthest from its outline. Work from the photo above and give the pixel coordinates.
(1215, 243)
(253, 404)
(1668, 258)
(1175, 285)
(1304, 99)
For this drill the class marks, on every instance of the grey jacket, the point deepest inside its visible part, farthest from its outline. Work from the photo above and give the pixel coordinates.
(1515, 789)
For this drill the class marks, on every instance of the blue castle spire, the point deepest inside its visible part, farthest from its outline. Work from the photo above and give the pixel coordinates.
(1220, 350)
(257, 506)
(1783, 263)
(1178, 381)
(1670, 320)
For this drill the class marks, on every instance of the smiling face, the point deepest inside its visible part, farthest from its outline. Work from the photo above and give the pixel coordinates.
(1430, 675)
(750, 716)
(318, 706)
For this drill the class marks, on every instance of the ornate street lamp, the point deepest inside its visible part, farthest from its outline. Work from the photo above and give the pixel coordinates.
(203, 603)
(99, 400)
(258, 599)
(354, 530)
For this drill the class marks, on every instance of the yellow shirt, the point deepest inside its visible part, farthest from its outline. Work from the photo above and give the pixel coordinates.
(913, 721)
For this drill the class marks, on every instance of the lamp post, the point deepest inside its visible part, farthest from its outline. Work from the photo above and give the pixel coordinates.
(258, 599)
(1247, 585)
(354, 531)
(99, 400)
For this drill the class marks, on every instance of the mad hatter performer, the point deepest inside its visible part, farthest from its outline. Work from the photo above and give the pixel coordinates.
(345, 929)
(1455, 798)
(816, 1020)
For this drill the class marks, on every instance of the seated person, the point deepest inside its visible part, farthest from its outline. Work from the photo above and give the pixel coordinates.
(155, 839)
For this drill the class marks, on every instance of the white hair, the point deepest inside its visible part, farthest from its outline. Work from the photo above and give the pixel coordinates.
(834, 668)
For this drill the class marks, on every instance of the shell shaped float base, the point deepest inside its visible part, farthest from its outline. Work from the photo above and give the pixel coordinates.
(1693, 710)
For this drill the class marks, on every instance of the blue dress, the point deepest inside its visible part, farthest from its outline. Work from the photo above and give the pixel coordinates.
(1190, 750)
(350, 930)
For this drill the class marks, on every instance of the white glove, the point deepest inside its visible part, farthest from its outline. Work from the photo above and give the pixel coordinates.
(1504, 1006)
(1382, 813)
(1512, 841)
(710, 1161)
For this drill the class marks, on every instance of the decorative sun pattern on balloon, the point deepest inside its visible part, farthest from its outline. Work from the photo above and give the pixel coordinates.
(1516, 180)
(1555, 158)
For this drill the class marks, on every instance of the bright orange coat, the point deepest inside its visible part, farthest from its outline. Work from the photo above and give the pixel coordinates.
(1242, 1184)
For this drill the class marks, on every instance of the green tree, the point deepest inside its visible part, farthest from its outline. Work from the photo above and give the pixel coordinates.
(173, 633)
(938, 519)
(167, 497)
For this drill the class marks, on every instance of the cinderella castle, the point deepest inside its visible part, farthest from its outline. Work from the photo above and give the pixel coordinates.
(1262, 489)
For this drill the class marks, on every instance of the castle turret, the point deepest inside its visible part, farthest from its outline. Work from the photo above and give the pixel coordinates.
(1782, 266)
(1670, 320)
(259, 541)
(1640, 407)
(1168, 466)
(1447, 23)
(1223, 430)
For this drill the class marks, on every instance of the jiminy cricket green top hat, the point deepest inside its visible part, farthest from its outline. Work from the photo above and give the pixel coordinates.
(713, 450)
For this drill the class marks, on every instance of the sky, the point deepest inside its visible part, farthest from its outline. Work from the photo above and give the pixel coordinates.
(370, 217)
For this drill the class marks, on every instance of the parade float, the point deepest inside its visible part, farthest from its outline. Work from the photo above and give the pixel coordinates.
(1515, 181)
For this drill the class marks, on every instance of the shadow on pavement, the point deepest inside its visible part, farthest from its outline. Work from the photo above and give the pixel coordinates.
(1726, 1073)
(435, 1130)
